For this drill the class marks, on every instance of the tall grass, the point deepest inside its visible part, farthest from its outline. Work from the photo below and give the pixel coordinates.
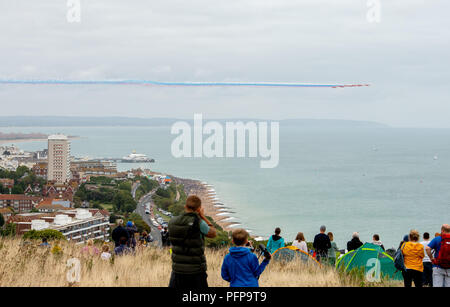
(30, 265)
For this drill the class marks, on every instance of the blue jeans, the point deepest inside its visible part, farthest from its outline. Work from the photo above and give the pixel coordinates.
(427, 275)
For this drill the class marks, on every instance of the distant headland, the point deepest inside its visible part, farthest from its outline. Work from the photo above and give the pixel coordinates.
(77, 121)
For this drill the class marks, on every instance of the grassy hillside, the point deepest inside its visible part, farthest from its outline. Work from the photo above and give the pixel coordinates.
(30, 265)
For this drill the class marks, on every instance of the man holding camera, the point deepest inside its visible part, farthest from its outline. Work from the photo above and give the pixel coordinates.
(241, 267)
(187, 234)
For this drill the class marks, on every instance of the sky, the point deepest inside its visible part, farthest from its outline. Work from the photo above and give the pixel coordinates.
(404, 57)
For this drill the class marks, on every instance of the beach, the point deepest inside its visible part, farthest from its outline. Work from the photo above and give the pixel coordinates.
(210, 202)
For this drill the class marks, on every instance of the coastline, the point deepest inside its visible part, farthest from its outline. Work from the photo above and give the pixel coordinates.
(13, 141)
(25, 140)
(211, 204)
(220, 213)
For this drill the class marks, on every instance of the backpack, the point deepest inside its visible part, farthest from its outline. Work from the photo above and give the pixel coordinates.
(443, 260)
(399, 260)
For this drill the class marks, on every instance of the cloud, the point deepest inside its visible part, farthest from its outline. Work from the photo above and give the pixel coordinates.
(404, 58)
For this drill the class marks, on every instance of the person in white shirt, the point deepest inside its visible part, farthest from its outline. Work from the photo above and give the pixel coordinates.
(106, 255)
(427, 265)
(300, 242)
(376, 241)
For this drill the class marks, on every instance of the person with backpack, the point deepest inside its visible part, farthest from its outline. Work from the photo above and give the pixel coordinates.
(275, 241)
(413, 258)
(187, 234)
(441, 258)
(132, 230)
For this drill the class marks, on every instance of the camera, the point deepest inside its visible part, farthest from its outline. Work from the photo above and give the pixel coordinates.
(264, 251)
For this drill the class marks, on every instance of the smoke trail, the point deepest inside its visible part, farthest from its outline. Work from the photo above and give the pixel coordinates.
(184, 83)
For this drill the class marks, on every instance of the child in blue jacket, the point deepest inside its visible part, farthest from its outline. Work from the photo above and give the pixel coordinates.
(241, 267)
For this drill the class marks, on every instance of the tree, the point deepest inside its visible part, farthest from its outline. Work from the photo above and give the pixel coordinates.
(123, 202)
(50, 234)
(2, 220)
(10, 230)
(17, 189)
(126, 185)
(22, 170)
(163, 193)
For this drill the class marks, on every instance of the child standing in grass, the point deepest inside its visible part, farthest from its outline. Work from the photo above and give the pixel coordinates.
(106, 255)
(90, 249)
(240, 266)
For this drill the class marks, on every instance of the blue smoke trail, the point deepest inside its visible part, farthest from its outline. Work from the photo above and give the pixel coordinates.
(185, 83)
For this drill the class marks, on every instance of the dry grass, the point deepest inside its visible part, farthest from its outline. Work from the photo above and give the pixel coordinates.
(30, 265)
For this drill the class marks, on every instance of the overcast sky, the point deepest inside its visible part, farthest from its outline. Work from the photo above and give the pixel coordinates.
(405, 58)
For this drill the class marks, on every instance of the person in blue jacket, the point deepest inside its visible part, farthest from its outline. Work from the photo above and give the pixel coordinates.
(275, 241)
(240, 266)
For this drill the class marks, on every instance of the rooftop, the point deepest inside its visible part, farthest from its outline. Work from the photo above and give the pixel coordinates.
(18, 197)
(57, 137)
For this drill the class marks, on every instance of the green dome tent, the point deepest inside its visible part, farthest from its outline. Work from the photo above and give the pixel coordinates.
(290, 253)
(375, 263)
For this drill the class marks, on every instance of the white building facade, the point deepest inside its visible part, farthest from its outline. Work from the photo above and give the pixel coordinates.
(58, 158)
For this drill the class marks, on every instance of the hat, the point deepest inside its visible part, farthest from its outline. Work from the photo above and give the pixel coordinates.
(129, 224)
(406, 238)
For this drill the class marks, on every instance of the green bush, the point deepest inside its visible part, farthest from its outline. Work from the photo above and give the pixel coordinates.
(9, 230)
(126, 186)
(163, 193)
(50, 234)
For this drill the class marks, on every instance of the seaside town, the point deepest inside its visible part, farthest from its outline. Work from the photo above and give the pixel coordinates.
(50, 189)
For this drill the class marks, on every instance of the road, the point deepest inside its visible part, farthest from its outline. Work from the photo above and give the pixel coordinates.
(156, 234)
(134, 189)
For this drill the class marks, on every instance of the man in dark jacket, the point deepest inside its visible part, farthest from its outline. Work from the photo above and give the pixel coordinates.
(119, 232)
(187, 234)
(322, 244)
(354, 243)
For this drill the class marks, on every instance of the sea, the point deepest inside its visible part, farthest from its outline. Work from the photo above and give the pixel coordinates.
(372, 180)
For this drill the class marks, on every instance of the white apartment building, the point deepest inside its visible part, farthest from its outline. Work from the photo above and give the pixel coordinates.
(76, 225)
(58, 158)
